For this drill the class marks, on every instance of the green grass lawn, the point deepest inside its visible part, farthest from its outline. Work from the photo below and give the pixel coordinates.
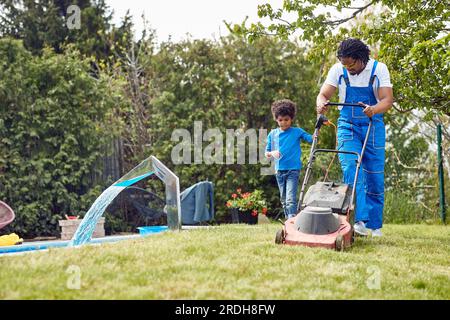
(237, 262)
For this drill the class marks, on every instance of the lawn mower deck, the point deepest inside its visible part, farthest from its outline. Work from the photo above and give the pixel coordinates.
(293, 233)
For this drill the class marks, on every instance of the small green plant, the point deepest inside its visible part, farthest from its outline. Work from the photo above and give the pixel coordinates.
(248, 201)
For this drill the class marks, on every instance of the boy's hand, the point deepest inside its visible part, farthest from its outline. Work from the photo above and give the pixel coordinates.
(268, 155)
(276, 154)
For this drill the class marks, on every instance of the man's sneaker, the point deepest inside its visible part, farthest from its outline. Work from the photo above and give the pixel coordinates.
(360, 228)
(376, 233)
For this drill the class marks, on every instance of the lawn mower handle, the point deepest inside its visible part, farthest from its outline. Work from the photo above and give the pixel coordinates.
(344, 104)
(321, 119)
(338, 151)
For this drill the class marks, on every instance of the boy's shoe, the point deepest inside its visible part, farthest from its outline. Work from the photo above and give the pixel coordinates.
(376, 233)
(360, 228)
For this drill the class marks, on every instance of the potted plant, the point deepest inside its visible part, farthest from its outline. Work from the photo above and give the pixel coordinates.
(245, 206)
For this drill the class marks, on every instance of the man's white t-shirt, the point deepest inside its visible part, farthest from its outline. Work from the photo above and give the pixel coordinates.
(382, 78)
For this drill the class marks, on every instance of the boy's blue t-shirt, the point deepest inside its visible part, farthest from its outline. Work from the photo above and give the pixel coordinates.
(288, 143)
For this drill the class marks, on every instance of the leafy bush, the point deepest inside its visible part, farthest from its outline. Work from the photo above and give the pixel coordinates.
(53, 123)
(229, 84)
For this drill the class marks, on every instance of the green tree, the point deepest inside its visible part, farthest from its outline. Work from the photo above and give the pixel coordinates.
(43, 24)
(411, 37)
(54, 119)
(226, 85)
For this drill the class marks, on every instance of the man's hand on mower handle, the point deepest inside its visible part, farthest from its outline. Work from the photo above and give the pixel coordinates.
(321, 108)
(368, 110)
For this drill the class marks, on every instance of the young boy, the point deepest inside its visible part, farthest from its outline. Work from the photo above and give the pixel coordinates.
(283, 144)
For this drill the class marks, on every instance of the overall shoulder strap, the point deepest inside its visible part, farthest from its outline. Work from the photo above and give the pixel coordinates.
(345, 76)
(372, 75)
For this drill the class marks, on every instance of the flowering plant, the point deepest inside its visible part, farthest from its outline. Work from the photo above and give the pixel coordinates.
(247, 201)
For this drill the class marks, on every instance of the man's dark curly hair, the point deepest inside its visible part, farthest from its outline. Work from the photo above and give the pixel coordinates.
(354, 48)
(283, 108)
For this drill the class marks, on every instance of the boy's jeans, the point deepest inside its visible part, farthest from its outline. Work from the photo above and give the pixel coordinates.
(288, 184)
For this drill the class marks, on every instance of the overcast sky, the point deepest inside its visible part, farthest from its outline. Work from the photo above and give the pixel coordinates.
(200, 18)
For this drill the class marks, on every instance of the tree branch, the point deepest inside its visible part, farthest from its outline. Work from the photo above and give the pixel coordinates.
(403, 110)
(404, 165)
(354, 14)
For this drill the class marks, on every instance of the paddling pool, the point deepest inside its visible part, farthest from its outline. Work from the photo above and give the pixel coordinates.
(45, 245)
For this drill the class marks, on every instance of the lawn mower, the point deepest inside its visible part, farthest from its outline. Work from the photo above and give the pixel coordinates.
(324, 211)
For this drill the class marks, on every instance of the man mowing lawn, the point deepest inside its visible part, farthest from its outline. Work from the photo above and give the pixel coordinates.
(365, 81)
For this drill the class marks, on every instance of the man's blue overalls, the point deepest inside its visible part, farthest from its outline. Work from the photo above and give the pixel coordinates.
(352, 129)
